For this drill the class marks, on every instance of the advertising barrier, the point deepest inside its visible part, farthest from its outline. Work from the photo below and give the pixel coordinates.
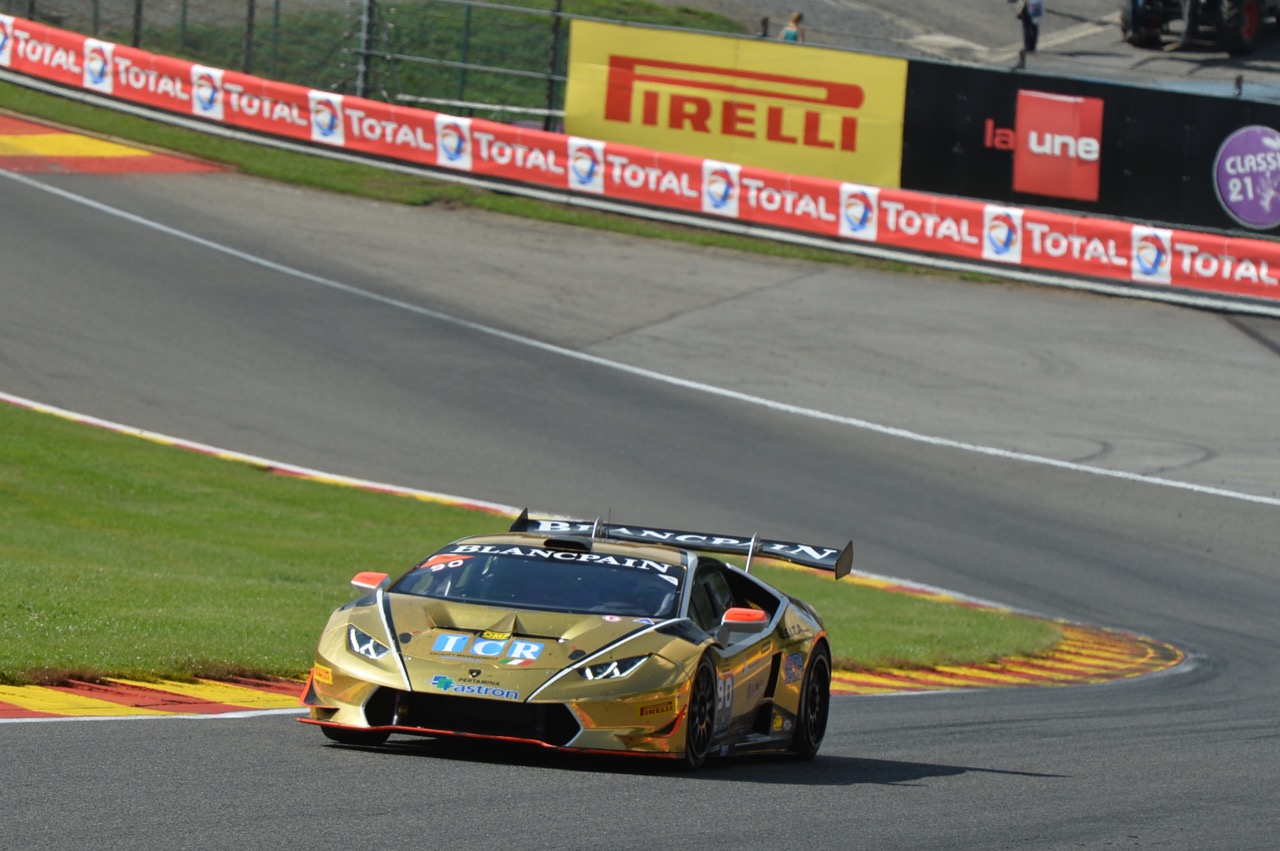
(850, 212)
(762, 103)
(1094, 147)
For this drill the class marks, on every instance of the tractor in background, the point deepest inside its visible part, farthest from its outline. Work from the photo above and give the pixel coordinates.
(1233, 24)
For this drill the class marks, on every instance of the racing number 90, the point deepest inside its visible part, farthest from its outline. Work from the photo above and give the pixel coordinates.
(724, 701)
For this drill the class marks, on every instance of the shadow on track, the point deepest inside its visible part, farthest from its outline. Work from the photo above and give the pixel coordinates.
(772, 769)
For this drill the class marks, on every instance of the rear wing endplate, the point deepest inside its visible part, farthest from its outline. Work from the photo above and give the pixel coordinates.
(838, 561)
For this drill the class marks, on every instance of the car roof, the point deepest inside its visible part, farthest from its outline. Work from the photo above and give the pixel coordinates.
(653, 552)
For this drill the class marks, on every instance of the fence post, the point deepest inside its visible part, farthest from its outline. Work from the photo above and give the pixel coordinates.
(368, 9)
(275, 39)
(137, 23)
(463, 51)
(247, 60)
(548, 121)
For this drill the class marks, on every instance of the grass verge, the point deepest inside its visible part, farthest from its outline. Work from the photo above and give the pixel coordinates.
(123, 557)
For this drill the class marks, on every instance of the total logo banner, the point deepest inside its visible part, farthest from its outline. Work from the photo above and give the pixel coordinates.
(709, 187)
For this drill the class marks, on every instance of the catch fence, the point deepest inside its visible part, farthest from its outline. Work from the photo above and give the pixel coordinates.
(498, 61)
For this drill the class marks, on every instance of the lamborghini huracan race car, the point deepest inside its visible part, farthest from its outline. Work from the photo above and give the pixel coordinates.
(582, 636)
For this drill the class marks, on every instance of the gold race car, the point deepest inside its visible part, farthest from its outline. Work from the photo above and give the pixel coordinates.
(582, 636)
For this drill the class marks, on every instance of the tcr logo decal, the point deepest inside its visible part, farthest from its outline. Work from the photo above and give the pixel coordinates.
(507, 651)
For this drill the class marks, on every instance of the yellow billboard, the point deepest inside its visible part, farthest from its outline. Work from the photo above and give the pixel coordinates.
(769, 104)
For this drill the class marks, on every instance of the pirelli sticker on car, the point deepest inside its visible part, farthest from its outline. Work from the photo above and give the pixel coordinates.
(663, 708)
(784, 107)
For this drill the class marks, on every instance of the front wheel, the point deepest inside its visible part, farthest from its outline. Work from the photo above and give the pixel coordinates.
(360, 738)
(815, 706)
(701, 715)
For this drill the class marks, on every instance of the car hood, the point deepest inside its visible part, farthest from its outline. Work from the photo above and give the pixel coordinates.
(505, 653)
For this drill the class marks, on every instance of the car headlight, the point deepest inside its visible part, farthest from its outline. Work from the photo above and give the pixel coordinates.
(611, 670)
(365, 645)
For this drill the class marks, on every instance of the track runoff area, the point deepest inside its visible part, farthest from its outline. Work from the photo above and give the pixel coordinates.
(31, 148)
(1086, 655)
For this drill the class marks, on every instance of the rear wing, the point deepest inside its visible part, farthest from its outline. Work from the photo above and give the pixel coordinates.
(839, 561)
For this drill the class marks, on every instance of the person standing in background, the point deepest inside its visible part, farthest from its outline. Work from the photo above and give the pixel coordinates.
(1030, 12)
(793, 31)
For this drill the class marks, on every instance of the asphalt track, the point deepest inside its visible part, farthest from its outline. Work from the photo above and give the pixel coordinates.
(176, 327)
(1102, 460)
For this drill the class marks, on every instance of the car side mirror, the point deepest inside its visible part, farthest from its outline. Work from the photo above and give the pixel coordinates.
(370, 580)
(742, 619)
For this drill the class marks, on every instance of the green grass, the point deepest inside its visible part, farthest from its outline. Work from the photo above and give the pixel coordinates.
(872, 628)
(123, 557)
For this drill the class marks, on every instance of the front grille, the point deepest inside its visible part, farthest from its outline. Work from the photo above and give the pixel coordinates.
(550, 723)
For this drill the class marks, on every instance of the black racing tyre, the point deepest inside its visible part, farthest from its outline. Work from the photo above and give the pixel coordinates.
(347, 736)
(815, 705)
(701, 716)
(1239, 22)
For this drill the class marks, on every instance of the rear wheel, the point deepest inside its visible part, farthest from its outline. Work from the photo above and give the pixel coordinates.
(815, 705)
(347, 736)
(701, 716)
(1239, 22)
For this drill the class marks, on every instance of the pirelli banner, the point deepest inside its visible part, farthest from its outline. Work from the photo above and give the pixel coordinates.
(769, 104)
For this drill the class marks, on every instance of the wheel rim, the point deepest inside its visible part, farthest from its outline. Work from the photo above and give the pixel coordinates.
(701, 713)
(816, 702)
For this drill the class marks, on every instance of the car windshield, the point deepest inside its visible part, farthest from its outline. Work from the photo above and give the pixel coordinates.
(552, 580)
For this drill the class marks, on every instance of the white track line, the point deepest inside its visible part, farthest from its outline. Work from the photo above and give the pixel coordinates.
(809, 413)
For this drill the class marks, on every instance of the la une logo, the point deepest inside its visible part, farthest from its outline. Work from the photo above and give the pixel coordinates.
(1056, 143)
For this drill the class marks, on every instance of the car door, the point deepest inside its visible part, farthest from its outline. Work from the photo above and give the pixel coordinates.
(743, 665)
